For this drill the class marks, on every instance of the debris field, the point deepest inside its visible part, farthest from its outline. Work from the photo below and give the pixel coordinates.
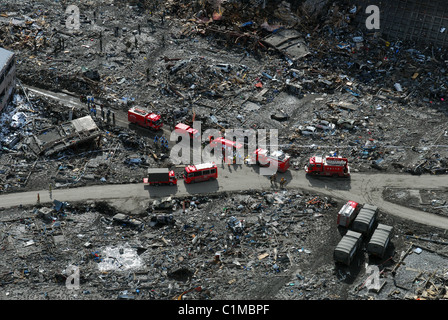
(301, 67)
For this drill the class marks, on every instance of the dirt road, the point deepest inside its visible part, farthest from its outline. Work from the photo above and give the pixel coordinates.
(363, 188)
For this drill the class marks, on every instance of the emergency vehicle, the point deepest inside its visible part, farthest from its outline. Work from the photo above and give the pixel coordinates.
(160, 176)
(145, 118)
(347, 213)
(184, 128)
(264, 158)
(200, 172)
(232, 146)
(328, 166)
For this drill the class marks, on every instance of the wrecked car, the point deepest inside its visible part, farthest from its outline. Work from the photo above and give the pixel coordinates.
(307, 130)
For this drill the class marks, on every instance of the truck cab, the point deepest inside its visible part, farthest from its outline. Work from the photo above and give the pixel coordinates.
(154, 121)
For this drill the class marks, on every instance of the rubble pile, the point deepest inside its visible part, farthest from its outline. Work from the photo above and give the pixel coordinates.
(218, 246)
(326, 87)
(200, 248)
(300, 67)
(41, 147)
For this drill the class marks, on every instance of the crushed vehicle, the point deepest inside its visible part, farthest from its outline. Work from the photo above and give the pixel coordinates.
(18, 120)
(163, 204)
(160, 176)
(325, 125)
(224, 67)
(346, 124)
(307, 130)
(126, 220)
(161, 220)
(328, 166)
(134, 161)
(145, 118)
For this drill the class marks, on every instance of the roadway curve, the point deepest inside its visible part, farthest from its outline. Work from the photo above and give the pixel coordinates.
(362, 188)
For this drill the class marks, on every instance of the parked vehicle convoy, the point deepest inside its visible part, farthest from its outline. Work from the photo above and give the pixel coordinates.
(365, 219)
(264, 158)
(328, 166)
(145, 118)
(160, 176)
(200, 172)
(184, 128)
(379, 241)
(346, 249)
(347, 213)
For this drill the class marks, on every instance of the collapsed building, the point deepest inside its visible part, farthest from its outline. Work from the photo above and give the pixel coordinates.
(7, 77)
(66, 135)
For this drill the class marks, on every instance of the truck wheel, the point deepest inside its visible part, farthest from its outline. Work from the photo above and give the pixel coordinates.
(171, 183)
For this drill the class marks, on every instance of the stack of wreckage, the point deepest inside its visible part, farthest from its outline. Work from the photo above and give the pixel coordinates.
(357, 97)
(66, 135)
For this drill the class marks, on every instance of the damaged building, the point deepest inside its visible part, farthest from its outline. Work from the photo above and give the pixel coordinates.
(7, 77)
(66, 135)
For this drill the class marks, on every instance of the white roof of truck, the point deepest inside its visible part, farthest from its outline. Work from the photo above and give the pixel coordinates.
(205, 165)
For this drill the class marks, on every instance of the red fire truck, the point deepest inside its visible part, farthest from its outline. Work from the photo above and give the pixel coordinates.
(145, 118)
(200, 172)
(347, 213)
(265, 158)
(328, 166)
(184, 128)
(232, 146)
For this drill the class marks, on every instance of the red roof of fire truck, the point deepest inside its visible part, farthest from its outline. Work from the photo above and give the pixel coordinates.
(226, 143)
(182, 127)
